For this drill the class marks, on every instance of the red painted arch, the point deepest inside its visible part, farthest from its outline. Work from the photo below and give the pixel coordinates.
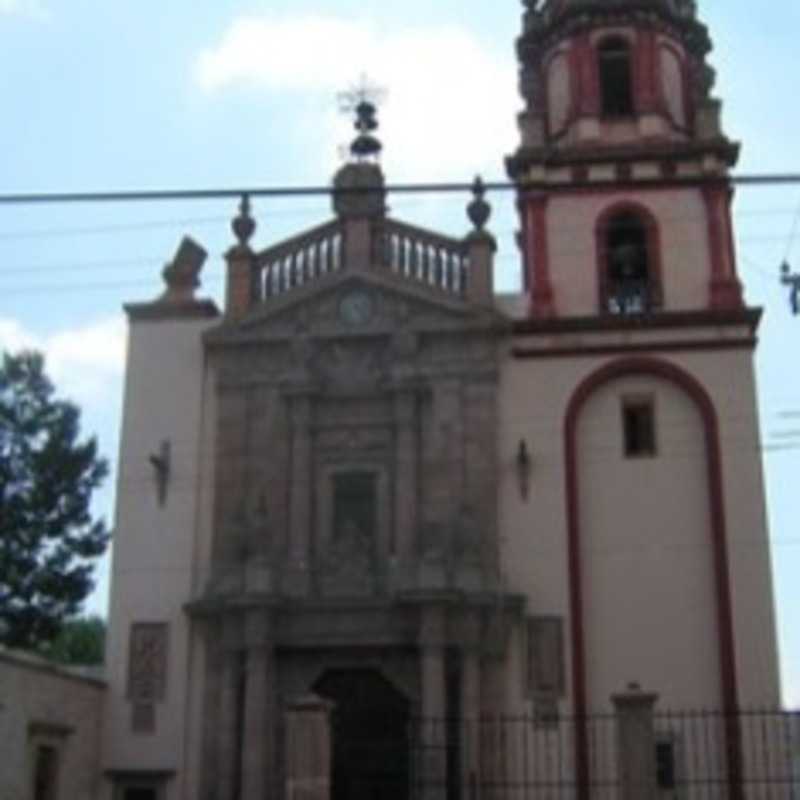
(675, 375)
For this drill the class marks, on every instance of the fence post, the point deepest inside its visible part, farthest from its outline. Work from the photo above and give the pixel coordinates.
(636, 743)
(308, 749)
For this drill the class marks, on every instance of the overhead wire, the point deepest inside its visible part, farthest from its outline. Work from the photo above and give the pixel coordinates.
(156, 195)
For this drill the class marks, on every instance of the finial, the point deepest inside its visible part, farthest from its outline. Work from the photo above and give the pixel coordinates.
(478, 210)
(244, 226)
(363, 100)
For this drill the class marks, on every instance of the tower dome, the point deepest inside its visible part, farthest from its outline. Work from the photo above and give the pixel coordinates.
(619, 75)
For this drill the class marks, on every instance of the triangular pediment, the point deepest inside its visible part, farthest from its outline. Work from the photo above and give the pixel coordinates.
(357, 304)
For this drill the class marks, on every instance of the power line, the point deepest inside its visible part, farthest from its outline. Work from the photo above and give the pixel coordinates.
(155, 195)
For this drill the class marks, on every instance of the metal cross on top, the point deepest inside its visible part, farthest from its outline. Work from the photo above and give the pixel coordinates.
(363, 100)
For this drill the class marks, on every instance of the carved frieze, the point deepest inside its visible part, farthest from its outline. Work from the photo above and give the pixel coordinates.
(147, 662)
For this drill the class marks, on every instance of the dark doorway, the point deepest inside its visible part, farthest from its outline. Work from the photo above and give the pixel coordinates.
(371, 759)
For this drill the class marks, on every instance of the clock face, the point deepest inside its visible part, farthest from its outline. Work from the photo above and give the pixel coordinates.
(355, 308)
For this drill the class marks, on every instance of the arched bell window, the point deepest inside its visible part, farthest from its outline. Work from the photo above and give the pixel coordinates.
(628, 255)
(616, 77)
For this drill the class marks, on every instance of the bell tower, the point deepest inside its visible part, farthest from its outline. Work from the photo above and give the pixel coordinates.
(630, 376)
(623, 167)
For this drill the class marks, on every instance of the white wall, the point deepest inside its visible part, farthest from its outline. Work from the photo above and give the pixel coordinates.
(533, 401)
(155, 548)
(648, 579)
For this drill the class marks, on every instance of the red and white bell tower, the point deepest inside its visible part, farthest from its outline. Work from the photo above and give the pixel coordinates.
(630, 379)
(623, 164)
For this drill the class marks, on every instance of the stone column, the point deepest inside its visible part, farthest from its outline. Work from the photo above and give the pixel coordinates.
(406, 495)
(308, 749)
(227, 723)
(301, 488)
(433, 768)
(258, 726)
(636, 744)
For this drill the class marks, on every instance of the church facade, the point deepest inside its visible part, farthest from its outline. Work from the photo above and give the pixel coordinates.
(373, 480)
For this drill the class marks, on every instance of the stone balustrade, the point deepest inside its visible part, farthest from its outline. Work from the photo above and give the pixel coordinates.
(406, 251)
(423, 256)
(298, 261)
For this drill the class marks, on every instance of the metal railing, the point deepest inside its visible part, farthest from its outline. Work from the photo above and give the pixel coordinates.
(522, 758)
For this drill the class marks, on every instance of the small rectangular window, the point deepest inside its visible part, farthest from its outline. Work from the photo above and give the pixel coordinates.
(665, 765)
(140, 793)
(638, 427)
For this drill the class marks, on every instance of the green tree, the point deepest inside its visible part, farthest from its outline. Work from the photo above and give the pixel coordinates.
(80, 643)
(48, 538)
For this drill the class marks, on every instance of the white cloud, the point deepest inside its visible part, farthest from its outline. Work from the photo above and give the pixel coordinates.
(85, 363)
(26, 8)
(451, 100)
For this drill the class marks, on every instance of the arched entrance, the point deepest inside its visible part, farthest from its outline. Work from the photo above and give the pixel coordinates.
(371, 759)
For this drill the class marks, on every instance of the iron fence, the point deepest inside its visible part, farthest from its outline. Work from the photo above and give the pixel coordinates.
(688, 755)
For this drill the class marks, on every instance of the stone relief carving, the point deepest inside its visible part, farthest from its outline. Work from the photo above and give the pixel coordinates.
(147, 662)
(348, 568)
(353, 364)
(251, 529)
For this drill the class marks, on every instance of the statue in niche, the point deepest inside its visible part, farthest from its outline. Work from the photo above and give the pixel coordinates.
(434, 545)
(351, 546)
(250, 528)
(467, 536)
(349, 564)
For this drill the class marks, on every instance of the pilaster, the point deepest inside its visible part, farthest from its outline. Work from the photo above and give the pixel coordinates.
(434, 723)
(258, 749)
(227, 771)
(725, 291)
(300, 497)
(537, 256)
(406, 497)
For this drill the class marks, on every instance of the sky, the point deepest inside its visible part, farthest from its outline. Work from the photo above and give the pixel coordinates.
(173, 94)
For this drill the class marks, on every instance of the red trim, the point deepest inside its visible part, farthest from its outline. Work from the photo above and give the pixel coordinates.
(569, 65)
(662, 320)
(646, 86)
(537, 256)
(589, 78)
(674, 346)
(725, 289)
(685, 87)
(574, 66)
(605, 186)
(653, 233)
(725, 631)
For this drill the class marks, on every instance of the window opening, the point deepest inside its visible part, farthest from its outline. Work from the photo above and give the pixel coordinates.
(627, 272)
(354, 506)
(616, 78)
(45, 776)
(639, 431)
(141, 793)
